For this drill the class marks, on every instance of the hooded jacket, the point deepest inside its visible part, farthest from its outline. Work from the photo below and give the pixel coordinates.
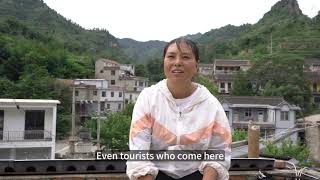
(158, 124)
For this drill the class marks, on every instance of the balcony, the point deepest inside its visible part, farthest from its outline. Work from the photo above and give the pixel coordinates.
(9, 136)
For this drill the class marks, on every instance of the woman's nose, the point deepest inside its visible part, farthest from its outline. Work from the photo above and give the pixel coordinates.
(178, 61)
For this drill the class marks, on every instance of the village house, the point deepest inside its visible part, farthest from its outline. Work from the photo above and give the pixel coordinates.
(122, 77)
(224, 73)
(27, 128)
(312, 72)
(108, 70)
(90, 98)
(206, 69)
(272, 114)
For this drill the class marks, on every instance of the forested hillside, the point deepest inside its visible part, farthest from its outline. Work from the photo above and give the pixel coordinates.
(37, 16)
(282, 30)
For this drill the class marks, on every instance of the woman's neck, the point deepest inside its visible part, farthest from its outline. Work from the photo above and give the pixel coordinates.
(181, 90)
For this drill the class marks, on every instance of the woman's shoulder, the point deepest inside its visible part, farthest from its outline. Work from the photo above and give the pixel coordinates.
(210, 98)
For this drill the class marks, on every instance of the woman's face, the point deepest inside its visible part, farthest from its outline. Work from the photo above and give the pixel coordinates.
(180, 65)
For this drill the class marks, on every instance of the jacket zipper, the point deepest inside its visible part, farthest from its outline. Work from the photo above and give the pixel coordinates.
(179, 125)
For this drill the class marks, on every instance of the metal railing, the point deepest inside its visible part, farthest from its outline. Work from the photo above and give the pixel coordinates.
(25, 135)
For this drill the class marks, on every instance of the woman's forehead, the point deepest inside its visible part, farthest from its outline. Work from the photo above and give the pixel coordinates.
(182, 47)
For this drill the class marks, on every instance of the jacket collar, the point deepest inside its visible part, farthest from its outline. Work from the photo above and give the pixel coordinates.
(200, 96)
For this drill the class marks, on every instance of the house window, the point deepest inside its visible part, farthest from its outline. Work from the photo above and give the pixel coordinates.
(222, 85)
(113, 72)
(134, 89)
(219, 68)
(284, 116)
(229, 86)
(120, 94)
(95, 92)
(108, 106)
(130, 96)
(103, 94)
(247, 113)
(34, 124)
(76, 93)
(113, 82)
(141, 84)
(136, 83)
(101, 71)
(112, 94)
(119, 106)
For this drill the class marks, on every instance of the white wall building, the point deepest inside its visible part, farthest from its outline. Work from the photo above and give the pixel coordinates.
(90, 94)
(27, 128)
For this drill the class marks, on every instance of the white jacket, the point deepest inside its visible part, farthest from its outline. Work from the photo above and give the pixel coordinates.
(158, 124)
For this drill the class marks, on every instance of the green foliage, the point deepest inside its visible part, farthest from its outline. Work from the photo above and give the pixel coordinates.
(41, 22)
(287, 149)
(155, 70)
(7, 88)
(239, 135)
(209, 84)
(140, 70)
(115, 131)
(141, 52)
(63, 125)
(276, 75)
(242, 85)
(128, 109)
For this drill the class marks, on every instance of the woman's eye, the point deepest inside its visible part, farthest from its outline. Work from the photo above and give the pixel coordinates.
(186, 57)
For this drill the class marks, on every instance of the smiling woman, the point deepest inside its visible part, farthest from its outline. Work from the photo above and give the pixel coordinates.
(177, 114)
(181, 57)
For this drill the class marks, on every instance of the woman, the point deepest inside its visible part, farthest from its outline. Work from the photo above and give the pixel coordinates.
(178, 114)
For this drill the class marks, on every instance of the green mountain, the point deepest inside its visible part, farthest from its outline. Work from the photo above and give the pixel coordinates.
(141, 52)
(282, 30)
(37, 16)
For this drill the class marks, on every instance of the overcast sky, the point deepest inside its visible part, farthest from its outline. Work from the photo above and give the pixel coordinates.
(145, 20)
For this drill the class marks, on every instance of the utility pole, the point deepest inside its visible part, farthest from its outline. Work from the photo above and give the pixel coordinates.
(98, 120)
(72, 139)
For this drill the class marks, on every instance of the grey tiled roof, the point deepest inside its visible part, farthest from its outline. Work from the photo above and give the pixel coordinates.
(273, 101)
(226, 62)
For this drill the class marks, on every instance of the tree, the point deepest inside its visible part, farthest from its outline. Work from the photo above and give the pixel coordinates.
(276, 75)
(155, 70)
(115, 131)
(242, 86)
(141, 70)
(35, 83)
(7, 88)
(209, 84)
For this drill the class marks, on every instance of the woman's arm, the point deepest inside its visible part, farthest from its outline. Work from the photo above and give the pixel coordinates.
(220, 140)
(140, 139)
